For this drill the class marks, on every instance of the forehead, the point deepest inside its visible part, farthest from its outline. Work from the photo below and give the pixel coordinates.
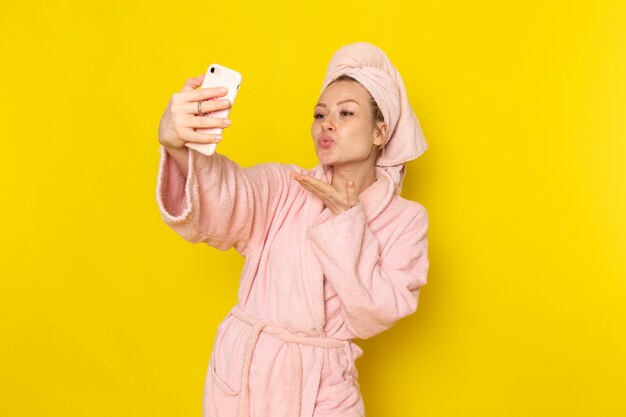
(343, 90)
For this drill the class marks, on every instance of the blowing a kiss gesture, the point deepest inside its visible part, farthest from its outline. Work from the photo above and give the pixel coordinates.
(335, 200)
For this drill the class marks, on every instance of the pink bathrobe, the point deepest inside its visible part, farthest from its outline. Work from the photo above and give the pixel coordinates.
(311, 283)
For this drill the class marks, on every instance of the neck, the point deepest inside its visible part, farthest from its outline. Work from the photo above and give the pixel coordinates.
(363, 177)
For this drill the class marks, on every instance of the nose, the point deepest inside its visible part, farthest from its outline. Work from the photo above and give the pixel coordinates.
(327, 125)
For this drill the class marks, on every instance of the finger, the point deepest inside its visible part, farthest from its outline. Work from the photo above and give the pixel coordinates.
(207, 106)
(353, 199)
(193, 83)
(303, 181)
(328, 200)
(314, 189)
(200, 94)
(190, 135)
(314, 182)
(315, 192)
(205, 122)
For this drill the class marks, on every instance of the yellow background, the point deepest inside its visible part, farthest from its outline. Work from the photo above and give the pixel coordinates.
(104, 311)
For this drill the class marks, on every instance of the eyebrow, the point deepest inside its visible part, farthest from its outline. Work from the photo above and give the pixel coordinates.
(339, 102)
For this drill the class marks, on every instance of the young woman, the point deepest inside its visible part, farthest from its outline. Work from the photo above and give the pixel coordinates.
(332, 253)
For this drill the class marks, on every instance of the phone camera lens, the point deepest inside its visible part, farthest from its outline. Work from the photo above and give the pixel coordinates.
(212, 70)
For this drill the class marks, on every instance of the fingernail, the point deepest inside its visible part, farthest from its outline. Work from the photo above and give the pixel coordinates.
(224, 102)
(223, 90)
(227, 122)
(219, 137)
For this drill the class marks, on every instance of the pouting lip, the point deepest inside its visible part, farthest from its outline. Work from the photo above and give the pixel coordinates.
(324, 137)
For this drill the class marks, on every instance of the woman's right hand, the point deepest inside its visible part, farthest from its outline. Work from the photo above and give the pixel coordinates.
(181, 119)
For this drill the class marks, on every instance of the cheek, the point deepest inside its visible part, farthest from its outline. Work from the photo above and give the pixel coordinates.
(365, 136)
(314, 129)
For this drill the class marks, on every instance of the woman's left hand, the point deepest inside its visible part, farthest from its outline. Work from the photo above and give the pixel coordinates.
(336, 201)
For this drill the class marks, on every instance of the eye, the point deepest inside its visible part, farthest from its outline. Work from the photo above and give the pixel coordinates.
(318, 116)
(347, 113)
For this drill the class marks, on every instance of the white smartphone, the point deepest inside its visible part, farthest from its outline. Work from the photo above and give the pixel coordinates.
(218, 76)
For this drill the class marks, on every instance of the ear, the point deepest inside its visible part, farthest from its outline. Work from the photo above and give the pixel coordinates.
(380, 133)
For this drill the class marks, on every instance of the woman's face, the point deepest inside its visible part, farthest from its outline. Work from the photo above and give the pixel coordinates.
(343, 128)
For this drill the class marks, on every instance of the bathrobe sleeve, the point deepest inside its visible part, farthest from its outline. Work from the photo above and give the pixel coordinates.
(219, 202)
(377, 286)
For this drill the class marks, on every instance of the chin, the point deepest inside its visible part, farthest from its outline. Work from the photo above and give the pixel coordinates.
(325, 158)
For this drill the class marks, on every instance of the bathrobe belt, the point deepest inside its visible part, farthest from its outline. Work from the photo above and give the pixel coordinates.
(293, 341)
